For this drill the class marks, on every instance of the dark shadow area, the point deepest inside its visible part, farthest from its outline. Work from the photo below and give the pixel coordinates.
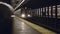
(34, 4)
(6, 1)
(5, 20)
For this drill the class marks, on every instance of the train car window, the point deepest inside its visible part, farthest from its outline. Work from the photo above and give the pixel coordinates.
(58, 9)
(54, 11)
(50, 11)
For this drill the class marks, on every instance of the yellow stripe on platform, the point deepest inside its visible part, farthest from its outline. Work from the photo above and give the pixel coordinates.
(38, 28)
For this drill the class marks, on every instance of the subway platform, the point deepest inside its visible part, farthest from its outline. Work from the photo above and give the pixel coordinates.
(22, 26)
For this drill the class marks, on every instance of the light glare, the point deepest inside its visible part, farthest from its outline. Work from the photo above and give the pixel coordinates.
(29, 15)
(23, 15)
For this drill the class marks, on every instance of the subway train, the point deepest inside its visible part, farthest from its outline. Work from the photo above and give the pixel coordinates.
(37, 17)
(38, 12)
(6, 20)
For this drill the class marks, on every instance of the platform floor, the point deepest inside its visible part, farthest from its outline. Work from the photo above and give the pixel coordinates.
(20, 27)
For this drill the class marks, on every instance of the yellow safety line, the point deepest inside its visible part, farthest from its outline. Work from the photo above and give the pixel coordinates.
(38, 28)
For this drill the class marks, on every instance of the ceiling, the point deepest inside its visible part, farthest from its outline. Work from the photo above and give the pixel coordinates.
(40, 3)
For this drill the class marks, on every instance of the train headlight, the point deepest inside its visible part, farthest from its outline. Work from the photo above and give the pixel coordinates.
(29, 15)
(23, 15)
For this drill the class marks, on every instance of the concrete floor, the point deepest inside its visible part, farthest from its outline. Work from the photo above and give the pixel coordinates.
(22, 28)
